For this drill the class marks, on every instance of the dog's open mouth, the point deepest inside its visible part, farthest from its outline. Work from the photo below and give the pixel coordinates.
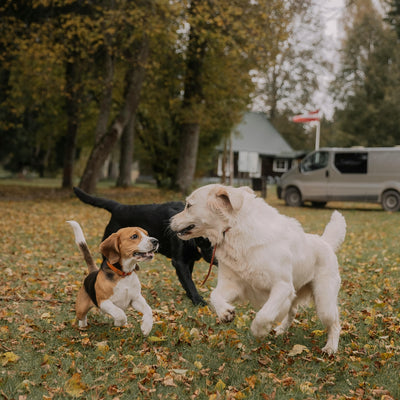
(186, 231)
(144, 256)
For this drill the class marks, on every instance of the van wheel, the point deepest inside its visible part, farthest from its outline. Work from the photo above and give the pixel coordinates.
(293, 197)
(391, 200)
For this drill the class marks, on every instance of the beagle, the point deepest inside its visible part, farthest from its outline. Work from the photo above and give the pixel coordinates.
(115, 286)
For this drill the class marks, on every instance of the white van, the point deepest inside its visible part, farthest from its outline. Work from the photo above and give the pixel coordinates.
(368, 174)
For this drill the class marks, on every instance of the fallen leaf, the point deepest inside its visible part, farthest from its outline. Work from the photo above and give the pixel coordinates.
(103, 346)
(156, 339)
(220, 386)
(180, 371)
(297, 349)
(74, 386)
(9, 357)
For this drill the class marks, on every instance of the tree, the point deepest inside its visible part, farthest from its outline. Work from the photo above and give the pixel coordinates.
(243, 31)
(134, 79)
(369, 81)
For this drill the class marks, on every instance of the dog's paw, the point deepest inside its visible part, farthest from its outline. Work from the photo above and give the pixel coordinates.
(280, 329)
(260, 329)
(120, 321)
(199, 301)
(227, 316)
(329, 349)
(146, 327)
(83, 323)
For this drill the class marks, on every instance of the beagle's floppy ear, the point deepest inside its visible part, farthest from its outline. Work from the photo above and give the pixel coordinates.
(227, 198)
(110, 248)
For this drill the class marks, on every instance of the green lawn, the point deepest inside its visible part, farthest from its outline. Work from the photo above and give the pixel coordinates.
(187, 355)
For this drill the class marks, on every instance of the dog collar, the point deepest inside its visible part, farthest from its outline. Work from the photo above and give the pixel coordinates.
(118, 271)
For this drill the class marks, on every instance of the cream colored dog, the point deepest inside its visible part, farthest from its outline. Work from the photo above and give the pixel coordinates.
(265, 258)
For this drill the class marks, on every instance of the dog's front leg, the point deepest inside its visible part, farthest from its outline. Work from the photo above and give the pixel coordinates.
(277, 306)
(227, 291)
(117, 313)
(140, 304)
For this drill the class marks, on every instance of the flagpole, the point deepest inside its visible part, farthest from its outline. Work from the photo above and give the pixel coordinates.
(317, 135)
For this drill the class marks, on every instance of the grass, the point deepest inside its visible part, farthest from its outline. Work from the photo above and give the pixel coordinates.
(188, 354)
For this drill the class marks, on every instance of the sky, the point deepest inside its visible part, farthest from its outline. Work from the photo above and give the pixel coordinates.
(331, 12)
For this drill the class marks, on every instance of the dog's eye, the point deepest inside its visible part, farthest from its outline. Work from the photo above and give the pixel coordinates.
(135, 236)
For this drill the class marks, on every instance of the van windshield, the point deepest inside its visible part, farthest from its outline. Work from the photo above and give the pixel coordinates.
(315, 161)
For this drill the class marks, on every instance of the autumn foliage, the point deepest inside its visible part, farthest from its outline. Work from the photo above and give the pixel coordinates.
(188, 354)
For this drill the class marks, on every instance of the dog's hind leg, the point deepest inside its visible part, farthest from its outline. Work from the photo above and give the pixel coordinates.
(303, 296)
(278, 306)
(325, 295)
(82, 306)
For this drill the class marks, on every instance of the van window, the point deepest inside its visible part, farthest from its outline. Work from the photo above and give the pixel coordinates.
(351, 163)
(315, 161)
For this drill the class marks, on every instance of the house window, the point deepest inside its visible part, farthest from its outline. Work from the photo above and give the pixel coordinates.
(280, 165)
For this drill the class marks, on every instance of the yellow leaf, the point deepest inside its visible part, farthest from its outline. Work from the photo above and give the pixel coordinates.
(306, 387)
(251, 381)
(74, 386)
(220, 386)
(297, 349)
(317, 332)
(103, 346)
(9, 357)
(156, 339)
(198, 364)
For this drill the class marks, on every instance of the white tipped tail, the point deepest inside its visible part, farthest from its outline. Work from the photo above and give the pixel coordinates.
(81, 242)
(79, 236)
(335, 231)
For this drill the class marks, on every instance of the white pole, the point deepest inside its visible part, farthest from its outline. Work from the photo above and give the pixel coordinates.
(317, 135)
(231, 162)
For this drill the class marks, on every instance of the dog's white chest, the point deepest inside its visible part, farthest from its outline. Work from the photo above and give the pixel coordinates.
(125, 291)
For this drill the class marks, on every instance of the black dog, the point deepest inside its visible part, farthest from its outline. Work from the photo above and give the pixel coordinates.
(155, 219)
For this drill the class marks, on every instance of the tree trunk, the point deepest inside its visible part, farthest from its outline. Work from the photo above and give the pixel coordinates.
(72, 109)
(126, 155)
(135, 77)
(193, 96)
(188, 156)
(106, 100)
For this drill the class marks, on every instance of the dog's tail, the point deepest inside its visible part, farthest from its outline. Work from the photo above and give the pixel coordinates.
(335, 231)
(81, 242)
(108, 205)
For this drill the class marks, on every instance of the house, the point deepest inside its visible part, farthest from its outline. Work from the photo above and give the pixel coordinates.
(256, 150)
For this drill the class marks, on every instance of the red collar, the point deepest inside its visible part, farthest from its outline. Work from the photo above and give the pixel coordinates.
(118, 271)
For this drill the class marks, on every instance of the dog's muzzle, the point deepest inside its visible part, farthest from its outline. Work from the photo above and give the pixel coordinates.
(186, 231)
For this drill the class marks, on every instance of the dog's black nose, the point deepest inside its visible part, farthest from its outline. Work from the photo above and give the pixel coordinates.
(154, 242)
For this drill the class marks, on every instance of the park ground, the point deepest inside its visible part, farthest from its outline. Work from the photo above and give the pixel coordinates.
(188, 354)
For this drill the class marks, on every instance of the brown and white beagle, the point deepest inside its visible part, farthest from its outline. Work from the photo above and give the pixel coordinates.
(115, 286)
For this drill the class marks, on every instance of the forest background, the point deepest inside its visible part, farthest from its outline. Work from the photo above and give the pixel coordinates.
(164, 82)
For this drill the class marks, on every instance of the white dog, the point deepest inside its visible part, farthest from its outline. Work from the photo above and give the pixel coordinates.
(265, 258)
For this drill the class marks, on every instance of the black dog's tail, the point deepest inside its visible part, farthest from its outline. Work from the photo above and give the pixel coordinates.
(108, 205)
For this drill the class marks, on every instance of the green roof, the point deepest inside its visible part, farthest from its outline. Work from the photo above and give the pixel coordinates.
(256, 134)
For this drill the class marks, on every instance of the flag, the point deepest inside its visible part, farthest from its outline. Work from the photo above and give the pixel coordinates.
(307, 117)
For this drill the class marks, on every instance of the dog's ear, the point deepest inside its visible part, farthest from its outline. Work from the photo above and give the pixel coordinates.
(110, 248)
(227, 198)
